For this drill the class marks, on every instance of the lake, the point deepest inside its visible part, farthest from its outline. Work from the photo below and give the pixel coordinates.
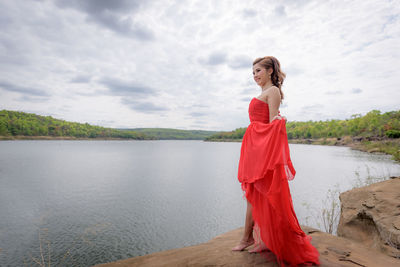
(91, 202)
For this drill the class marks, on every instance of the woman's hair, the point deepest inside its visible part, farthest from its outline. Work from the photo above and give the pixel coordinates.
(277, 75)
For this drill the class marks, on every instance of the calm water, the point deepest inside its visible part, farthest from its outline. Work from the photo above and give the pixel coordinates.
(92, 202)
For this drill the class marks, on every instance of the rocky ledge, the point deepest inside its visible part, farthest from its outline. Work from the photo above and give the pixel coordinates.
(371, 215)
(334, 251)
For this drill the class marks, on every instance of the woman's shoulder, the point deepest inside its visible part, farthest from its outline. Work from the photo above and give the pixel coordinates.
(273, 90)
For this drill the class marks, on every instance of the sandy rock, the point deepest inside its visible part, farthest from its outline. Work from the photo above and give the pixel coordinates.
(396, 223)
(371, 215)
(334, 251)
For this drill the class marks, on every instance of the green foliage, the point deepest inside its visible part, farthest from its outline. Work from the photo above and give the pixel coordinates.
(372, 124)
(13, 123)
(389, 133)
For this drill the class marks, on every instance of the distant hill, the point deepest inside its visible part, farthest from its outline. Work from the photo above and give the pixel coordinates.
(22, 125)
(175, 134)
(16, 124)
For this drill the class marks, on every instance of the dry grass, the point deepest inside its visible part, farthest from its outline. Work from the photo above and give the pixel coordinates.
(40, 260)
(369, 179)
(326, 218)
(44, 258)
(330, 214)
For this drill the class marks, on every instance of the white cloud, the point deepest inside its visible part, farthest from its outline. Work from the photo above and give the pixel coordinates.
(187, 64)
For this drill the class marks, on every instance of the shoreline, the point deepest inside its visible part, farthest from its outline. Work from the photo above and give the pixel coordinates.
(366, 144)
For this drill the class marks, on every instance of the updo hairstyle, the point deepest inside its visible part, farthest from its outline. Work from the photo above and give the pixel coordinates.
(277, 75)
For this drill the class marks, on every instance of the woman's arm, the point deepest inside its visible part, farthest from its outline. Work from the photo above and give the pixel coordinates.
(274, 101)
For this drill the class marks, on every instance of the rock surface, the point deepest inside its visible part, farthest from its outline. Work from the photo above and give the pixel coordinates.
(371, 215)
(334, 251)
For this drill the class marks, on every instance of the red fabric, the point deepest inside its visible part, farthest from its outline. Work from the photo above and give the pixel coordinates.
(264, 170)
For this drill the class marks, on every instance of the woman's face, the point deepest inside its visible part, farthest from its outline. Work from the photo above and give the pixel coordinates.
(261, 75)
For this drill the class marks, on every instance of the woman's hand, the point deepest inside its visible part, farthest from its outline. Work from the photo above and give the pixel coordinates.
(278, 117)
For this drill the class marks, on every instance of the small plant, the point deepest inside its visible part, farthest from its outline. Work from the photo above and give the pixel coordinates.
(330, 214)
(40, 261)
(44, 258)
(393, 133)
(326, 218)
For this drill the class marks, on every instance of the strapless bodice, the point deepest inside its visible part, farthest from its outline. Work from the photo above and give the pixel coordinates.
(258, 111)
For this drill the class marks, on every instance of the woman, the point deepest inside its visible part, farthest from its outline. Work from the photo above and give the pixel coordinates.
(264, 170)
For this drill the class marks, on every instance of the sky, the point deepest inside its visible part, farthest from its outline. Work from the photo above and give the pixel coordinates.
(188, 64)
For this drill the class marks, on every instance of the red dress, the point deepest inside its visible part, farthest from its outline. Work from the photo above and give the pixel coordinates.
(264, 170)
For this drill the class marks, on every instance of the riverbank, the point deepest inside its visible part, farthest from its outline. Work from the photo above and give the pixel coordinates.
(366, 144)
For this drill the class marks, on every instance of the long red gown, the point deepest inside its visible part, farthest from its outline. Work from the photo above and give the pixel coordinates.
(264, 170)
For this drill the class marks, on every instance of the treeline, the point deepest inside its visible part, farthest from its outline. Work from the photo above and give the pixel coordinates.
(236, 134)
(15, 123)
(373, 124)
(174, 134)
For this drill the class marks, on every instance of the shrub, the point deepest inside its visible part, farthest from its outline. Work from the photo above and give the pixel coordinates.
(393, 133)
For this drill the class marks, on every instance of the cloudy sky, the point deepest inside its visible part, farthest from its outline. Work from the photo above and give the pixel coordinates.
(188, 64)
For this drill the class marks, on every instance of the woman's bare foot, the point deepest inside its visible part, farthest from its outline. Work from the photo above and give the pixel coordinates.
(243, 244)
(259, 248)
